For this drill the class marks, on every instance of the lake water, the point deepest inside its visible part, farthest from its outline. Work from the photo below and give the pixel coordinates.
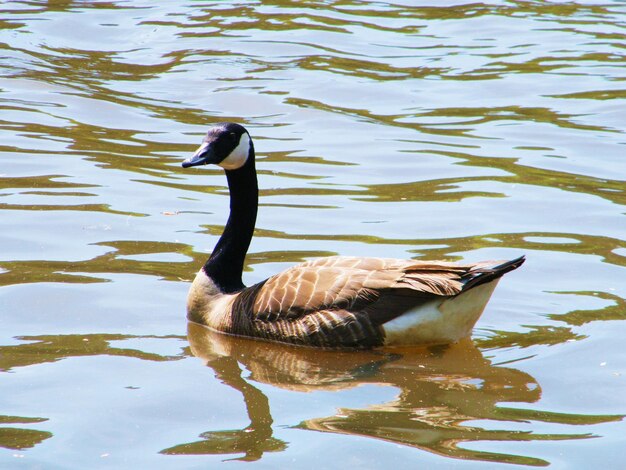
(442, 130)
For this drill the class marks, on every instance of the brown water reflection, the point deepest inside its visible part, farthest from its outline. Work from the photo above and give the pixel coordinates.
(439, 391)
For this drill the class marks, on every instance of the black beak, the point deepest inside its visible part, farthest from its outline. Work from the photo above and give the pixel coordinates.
(203, 156)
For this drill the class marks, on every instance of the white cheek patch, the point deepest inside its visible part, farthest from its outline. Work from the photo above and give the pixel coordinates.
(238, 157)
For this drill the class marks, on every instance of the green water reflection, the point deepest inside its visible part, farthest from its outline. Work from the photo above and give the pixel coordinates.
(51, 348)
(21, 438)
(616, 310)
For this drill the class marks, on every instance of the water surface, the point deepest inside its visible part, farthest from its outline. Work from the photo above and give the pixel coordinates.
(453, 130)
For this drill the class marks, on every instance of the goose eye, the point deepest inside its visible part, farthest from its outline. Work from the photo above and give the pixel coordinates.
(233, 136)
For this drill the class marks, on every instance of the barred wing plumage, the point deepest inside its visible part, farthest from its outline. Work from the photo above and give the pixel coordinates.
(342, 301)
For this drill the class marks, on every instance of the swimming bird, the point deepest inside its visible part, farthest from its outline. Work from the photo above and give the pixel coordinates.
(332, 302)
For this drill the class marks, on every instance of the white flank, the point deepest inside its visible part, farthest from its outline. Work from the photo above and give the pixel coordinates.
(440, 321)
(237, 158)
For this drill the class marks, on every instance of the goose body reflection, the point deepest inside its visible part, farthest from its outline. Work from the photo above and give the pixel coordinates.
(442, 395)
(333, 301)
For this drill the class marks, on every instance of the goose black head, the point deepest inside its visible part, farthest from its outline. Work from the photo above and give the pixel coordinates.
(226, 144)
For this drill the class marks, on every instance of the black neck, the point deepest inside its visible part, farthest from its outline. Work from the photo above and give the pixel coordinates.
(225, 265)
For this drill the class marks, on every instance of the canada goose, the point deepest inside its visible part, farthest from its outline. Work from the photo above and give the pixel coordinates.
(336, 301)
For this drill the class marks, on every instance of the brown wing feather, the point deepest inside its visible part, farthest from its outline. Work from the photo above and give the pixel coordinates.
(342, 282)
(325, 328)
